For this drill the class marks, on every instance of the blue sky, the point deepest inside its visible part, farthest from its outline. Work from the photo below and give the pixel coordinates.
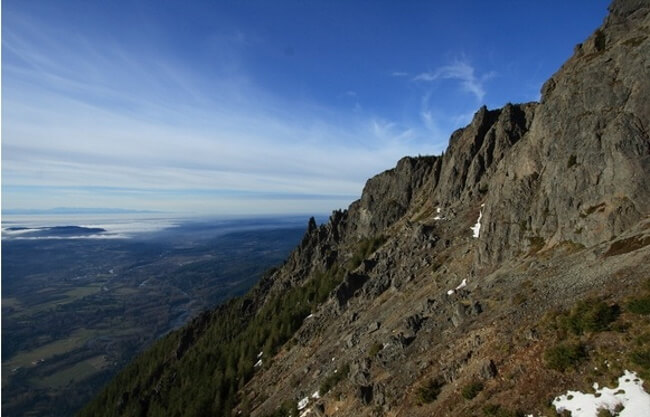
(254, 107)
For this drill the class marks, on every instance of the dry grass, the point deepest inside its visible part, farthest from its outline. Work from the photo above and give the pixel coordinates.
(629, 244)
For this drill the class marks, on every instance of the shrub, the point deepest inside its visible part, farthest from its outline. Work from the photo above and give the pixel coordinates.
(564, 356)
(332, 380)
(471, 390)
(641, 358)
(536, 244)
(365, 247)
(428, 392)
(495, 410)
(590, 315)
(639, 305)
(604, 412)
(374, 349)
(600, 40)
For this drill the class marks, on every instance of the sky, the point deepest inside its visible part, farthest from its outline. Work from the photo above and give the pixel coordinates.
(254, 107)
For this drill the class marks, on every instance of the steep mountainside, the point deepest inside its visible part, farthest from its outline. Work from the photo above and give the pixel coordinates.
(488, 280)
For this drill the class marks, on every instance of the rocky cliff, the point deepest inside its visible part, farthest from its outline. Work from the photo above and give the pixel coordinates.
(446, 287)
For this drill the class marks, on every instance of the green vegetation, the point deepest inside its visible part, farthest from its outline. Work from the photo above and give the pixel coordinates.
(604, 412)
(641, 358)
(471, 390)
(587, 316)
(565, 355)
(365, 247)
(640, 305)
(77, 372)
(590, 315)
(428, 392)
(536, 243)
(199, 370)
(332, 380)
(495, 410)
(374, 349)
(205, 379)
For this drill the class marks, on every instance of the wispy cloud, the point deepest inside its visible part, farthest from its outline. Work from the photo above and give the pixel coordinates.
(461, 71)
(81, 117)
(399, 74)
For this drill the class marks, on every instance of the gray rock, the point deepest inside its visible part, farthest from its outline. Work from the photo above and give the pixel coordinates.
(488, 370)
(373, 326)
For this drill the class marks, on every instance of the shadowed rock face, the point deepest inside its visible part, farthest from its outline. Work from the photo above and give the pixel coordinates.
(432, 306)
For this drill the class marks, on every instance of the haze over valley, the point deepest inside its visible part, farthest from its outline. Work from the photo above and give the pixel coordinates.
(79, 301)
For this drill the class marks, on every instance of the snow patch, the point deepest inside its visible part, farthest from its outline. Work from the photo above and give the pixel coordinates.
(315, 395)
(438, 217)
(305, 413)
(463, 284)
(257, 364)
(259, 355)
(303, 403)
(476, 229)
(629, 393)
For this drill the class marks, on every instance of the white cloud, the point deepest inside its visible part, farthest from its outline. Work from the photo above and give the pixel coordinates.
(461, 71)
(84, 115)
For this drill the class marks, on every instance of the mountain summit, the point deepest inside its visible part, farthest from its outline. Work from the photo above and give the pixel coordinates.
(485, 281)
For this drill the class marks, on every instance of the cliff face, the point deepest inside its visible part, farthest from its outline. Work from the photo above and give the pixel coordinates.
(581, 173)
(439, 275)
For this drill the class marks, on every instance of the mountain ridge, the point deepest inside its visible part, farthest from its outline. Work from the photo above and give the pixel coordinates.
(398, 295)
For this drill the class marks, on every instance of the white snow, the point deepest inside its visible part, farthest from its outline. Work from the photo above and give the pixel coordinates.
(259, 355)
(461, 285)
(629, 393)
(305, 413)
(257, 364)
(438, 217)
(303, 403)
(315, 395)
(476, 229)
(309, 316)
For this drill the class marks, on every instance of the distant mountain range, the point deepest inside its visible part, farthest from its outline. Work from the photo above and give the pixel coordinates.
(74, 210)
